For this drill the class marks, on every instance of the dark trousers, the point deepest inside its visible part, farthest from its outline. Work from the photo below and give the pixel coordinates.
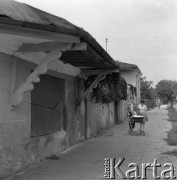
(131, 123)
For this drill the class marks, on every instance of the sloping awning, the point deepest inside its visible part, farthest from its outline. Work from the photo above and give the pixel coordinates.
(21, 19)
(31, 34)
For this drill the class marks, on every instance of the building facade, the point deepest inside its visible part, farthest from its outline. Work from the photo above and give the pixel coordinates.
(131, 73)
(44, 105)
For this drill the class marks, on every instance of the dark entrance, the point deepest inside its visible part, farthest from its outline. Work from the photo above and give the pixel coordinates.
(117, 112)
(47, 106)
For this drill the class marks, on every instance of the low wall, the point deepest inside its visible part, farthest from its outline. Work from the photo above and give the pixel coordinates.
(124, 111)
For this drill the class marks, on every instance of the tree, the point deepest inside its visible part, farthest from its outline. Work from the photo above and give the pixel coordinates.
(146, 88)
(154, 93)
(166, 90)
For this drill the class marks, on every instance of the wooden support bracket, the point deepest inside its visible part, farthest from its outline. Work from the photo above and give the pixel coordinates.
(17, 96)
(93, 85)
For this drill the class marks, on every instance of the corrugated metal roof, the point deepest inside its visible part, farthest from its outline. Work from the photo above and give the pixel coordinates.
(21, 15)
(82, 59)
(23, 12)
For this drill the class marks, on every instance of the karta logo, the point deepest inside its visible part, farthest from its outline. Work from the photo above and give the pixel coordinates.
(112, 168)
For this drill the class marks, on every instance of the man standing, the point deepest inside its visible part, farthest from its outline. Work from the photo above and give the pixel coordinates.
(130, 111)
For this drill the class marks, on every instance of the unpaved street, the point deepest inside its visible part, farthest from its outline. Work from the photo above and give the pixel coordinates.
(86, 161)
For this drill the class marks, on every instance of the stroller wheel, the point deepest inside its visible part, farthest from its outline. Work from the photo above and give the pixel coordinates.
(132, 133)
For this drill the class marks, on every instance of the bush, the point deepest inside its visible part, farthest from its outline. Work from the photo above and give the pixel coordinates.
(113, 87)
(150, 103)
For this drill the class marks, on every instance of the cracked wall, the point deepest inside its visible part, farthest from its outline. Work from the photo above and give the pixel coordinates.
(17, 149)
(100, 117)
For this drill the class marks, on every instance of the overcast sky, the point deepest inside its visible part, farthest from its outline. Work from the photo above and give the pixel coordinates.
(142, 32)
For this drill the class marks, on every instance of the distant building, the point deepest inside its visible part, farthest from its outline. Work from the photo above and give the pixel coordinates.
(131, 73)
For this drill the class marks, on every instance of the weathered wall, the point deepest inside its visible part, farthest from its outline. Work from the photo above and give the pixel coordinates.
(124, 111)
(121, 114)
(17, 149)
(99, 117)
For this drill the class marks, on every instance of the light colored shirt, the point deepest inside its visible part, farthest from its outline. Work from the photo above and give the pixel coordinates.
(131, 107)
(142, 108)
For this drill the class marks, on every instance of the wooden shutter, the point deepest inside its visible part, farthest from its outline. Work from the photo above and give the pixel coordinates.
(47, 105)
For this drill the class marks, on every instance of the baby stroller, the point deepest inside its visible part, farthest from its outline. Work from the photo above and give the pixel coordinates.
(136, 119)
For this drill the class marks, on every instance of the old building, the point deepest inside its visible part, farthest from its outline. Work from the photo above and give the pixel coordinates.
(131, 73)
(43, 59)
(44, 105)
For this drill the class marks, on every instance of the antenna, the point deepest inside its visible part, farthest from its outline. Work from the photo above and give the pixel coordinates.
(106, 43)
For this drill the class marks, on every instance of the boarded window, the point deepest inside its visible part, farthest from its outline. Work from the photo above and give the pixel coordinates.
(47, 106)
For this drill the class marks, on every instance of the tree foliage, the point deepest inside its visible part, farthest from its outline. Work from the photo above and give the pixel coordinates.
(113, 87)
(146, 88)
(166, 90)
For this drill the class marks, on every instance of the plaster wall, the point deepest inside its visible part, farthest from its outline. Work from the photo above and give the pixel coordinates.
(17, 149)
(132, 77)
(100, 116)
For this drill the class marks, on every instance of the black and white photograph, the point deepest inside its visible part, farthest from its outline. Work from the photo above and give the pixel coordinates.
(88, 89)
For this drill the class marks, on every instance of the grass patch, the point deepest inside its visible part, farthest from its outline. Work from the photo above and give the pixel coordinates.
(172, 137)
(171, 153)
(172, 134)
(172, 113)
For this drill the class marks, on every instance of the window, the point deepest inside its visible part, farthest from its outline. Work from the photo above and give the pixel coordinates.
(47, 106)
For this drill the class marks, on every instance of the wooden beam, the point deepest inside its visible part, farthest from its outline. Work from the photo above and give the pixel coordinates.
(85, 73)
(29, 32)
(48, 46)
(13, 74)
(17, 96)
(87, 64)
(89, 89)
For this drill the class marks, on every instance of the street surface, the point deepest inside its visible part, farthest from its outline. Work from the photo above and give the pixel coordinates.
(86, 160)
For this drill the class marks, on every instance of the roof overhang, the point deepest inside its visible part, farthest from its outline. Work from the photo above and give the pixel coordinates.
(29, 33)
(93, 57)
(128, 67)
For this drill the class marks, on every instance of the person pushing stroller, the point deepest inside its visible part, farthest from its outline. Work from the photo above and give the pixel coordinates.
(131, 110)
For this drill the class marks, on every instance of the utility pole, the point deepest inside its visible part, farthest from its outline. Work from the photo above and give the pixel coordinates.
(106, 43)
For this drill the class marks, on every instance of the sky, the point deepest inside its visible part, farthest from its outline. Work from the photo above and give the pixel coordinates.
(141, 32)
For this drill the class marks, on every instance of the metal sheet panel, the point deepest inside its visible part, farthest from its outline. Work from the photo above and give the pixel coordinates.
(23, 12)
